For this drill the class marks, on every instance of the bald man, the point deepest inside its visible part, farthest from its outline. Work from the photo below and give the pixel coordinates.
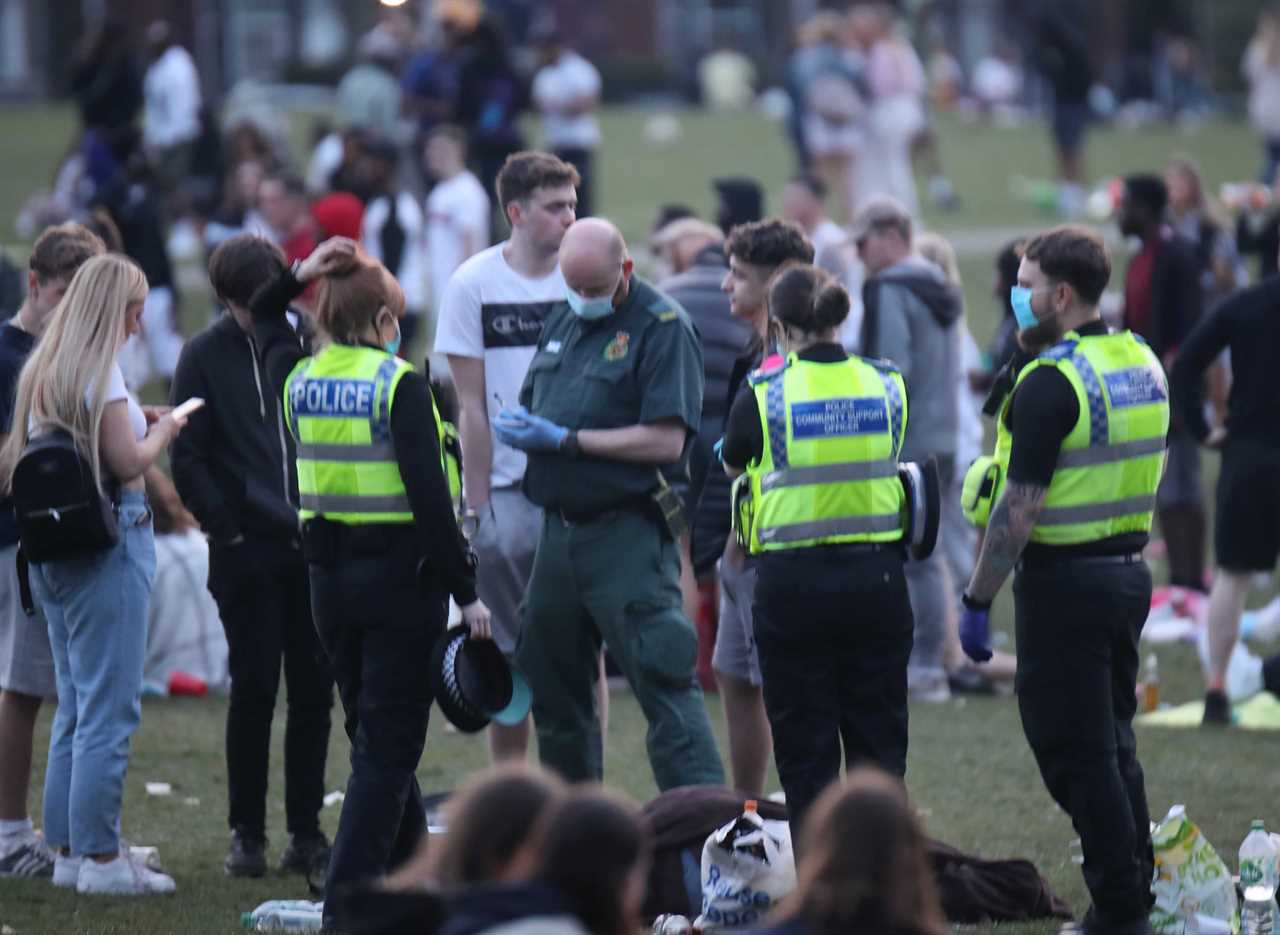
(608, 408)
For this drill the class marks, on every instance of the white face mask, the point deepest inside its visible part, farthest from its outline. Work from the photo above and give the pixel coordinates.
(590, 309)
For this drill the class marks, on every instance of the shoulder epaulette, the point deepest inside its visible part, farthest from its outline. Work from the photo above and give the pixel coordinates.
(767, 371)
(664, 309)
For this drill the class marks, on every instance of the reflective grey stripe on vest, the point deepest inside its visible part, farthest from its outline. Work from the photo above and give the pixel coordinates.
(841, 526)
(895, 411)
(346, 453)
(828, 474)
(347, 503)
(1093, 512)
(1106, 454)
(776, 418)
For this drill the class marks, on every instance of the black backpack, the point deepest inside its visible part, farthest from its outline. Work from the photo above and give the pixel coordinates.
(61, 512)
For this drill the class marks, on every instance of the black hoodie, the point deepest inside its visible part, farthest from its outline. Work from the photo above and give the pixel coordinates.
(233, 464)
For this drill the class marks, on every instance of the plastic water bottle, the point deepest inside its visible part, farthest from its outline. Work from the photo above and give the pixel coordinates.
(1258, 858)
(1256, 916)
(288, 915)
(1258, 876)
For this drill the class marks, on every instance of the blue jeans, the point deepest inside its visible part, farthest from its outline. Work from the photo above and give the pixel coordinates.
(97, 612)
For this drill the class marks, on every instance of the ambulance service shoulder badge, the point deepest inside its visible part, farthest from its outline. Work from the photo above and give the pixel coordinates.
(618, 347)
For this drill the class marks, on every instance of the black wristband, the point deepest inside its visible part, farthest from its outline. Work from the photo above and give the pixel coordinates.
(969, 602)
(570, 447)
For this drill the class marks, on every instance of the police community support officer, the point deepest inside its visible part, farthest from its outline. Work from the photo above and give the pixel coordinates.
(818, 438)
(1081, 445)
(375, 500)
(613, 394)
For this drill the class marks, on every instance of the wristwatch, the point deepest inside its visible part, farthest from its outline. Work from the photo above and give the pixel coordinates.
(468, 523)
(570, 447)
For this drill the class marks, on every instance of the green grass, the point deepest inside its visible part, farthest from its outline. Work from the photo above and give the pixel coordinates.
(970, 770)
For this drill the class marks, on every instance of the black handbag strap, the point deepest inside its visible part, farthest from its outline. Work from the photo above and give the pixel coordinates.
(24, 584)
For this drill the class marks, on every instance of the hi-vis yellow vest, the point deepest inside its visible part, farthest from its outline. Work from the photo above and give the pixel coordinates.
(829, 470)
(338, 406)
(1110, 463)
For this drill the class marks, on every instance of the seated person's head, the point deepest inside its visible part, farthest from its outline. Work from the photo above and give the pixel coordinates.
(864, 866)
(496, 823)
(596, 854)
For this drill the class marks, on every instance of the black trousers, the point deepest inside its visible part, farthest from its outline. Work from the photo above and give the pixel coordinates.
(582, 160)
(378, 631)
(834, 632)
(1077, 627)
(264, 600)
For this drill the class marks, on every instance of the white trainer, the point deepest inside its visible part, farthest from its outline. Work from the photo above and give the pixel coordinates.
(124, 876)
(66, 871)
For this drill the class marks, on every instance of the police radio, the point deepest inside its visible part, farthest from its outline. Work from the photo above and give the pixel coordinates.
(923, 506)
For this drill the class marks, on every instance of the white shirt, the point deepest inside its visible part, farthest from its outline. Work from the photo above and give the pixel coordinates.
(411, 275)
(457, 225)
(556, 85)
(116, 390)
(828, 235)
(492, 312)
(171, 89)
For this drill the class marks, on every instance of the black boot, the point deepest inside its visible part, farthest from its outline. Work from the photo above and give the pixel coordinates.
(247, 856)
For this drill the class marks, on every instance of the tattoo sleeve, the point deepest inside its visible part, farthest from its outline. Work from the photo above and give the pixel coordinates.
(1008, 530)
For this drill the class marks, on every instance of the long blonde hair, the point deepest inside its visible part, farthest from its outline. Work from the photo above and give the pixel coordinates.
(75, 357)
(938, 250)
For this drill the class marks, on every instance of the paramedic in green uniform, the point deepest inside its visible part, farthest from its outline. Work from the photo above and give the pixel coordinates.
(613, 396)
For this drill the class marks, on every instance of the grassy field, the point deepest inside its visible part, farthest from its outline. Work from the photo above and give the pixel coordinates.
(970, 771)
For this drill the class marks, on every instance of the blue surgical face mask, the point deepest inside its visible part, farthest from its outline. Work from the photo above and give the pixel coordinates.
(590, 309)
(1020, 299)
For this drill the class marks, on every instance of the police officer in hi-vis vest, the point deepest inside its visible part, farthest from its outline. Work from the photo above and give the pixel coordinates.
(382, 544)
(1067, 502)
(821, 506)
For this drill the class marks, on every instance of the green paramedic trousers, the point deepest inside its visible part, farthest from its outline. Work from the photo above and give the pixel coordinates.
(616, 579)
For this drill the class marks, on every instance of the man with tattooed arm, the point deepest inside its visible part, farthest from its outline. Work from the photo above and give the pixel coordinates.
(1071, 490)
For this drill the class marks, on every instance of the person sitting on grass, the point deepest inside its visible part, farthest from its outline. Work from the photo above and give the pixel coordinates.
(496, 825)
(864, 868)
(592, 867)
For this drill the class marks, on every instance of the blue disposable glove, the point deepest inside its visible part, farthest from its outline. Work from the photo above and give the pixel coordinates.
(718, 450)
(975, 629)
(521, 429)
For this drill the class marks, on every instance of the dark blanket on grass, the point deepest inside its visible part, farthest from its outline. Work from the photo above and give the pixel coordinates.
(973, 890)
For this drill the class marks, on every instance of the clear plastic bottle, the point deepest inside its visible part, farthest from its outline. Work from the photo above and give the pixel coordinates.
(1256, 918)
(1258, 877)
(293, 915)
(1258, 858)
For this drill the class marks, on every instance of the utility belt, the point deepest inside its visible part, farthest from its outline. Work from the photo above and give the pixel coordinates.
(662, 504)
(1041, 562)
(324, 541)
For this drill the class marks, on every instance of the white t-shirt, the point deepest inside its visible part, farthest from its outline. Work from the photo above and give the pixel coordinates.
(410, 274)
(570, 77)
(457, 212)
(115, 390)
(492, 312)
(171, 90)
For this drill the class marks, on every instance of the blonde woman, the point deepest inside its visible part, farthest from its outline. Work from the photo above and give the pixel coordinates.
(96, 605)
